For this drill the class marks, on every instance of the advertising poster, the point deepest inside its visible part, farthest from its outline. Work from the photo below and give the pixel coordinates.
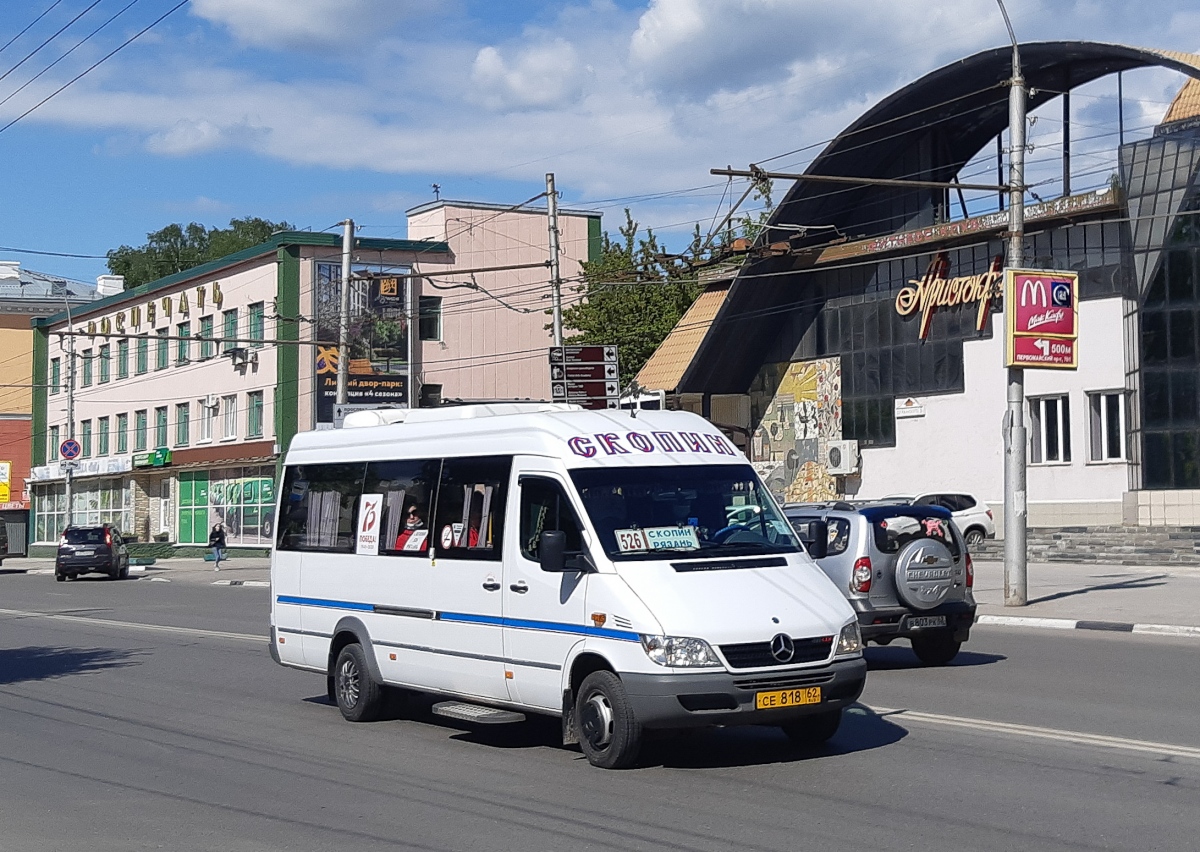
(1041, 309)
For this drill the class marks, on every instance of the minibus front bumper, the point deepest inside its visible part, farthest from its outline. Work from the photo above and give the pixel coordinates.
(727, 698)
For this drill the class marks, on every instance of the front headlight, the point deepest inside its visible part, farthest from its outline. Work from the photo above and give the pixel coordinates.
(679, 651)
(850, 642)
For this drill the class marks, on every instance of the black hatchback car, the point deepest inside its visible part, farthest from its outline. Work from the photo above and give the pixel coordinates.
(86, 550)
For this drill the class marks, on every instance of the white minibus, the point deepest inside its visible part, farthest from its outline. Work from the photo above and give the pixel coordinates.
(622, 570)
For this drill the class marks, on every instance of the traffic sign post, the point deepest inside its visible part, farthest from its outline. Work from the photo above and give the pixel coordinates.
(588, 376)
(70, 449)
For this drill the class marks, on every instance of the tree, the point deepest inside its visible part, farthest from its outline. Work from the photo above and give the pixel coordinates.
(634, 294)
(178, 247)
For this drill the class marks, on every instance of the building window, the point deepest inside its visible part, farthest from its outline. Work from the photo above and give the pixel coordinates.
(257, 323)
(85, 429)
(52, 450)
(87, 368)
(162, 354)
(122, 434)
(429, 318)
(208, 415)
(102, 436)
(229, 404)
(123, 359)
(55, 375)
(183, 345)
(1107, 420)
(182, 415)
(139, 429)
(96, 502)
(143, 355)
(160, 427)
(229, 330)
(207, 349)
(1050, 435)
(105, 363)
(254, 414)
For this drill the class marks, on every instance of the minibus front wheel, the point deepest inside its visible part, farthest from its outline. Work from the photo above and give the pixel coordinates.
(609, 732)
(358, 696)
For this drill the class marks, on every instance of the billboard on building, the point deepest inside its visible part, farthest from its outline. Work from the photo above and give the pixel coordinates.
(378, 336)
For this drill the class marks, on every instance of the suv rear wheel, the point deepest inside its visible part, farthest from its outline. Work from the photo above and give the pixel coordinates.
(973, 537)
(936, 648)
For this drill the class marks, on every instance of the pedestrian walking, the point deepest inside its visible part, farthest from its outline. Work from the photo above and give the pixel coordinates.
(216, 540)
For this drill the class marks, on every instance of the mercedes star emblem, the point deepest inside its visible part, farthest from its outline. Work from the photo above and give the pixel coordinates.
(782, 648)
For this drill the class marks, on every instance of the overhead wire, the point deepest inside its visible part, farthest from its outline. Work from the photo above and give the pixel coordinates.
(60, 31)
(30, 25)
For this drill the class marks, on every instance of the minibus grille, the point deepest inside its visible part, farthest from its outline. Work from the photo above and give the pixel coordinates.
(751, 655)
(790, 681)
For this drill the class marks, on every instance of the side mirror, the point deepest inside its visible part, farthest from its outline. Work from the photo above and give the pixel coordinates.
(552, 551)
(814, 535)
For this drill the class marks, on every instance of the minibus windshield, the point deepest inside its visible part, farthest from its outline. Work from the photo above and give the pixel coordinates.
(682, 511)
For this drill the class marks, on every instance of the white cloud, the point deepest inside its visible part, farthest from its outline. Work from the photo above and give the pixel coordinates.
(535, 77)
(306, 24)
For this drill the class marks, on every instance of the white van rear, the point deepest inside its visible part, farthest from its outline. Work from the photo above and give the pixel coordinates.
(623, 571)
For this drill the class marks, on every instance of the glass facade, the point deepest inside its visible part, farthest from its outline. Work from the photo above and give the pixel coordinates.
(97, 501)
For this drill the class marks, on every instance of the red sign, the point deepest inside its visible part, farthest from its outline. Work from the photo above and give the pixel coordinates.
(583, 354)
(1045, 352)
(1042, 318)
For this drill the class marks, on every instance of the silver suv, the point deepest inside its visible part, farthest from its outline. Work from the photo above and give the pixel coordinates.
(905, 569)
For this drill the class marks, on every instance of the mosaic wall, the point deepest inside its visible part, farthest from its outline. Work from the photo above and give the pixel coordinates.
(798, 409)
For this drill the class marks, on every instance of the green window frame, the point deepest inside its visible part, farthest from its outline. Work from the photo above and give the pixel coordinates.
(182, 418)
(258, 331)
(52, 450)
(55, 375)
(183, 345)
(105, 363)
(143, 356)
(160, 427)
(87, 368)
(122, 434)
(123, 358)
(102, 434)
(254, 414)
(139, 429)
(162, 352)
(207, 348)
(229, 329)
(85, 438)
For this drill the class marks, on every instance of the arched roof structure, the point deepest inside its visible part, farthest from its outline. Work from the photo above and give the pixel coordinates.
(928, 130)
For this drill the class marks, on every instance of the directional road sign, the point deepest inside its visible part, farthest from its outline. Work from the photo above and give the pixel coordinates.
(69, 464)
(586, 376)
(70, 449)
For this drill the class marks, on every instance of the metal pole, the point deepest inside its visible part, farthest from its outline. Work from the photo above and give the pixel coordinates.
(343, 372)
(1066, 105)
(414, 326)
(555, 280)
(1015, 553)
(70, 474)
(1120, 109)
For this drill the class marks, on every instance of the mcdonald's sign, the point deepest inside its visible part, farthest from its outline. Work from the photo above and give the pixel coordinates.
(1041, 308)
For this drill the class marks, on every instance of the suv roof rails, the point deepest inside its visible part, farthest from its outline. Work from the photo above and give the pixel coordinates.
(840, 505)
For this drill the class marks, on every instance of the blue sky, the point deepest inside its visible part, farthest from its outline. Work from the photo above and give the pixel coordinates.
(315, 110)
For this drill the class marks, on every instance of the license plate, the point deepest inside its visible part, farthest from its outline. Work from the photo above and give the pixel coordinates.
(787, 698)
(85, 553)
(916, 622)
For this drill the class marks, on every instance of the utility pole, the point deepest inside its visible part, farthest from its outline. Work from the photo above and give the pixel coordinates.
(343, 373)
(70, 473)
(555, 279)
(414, 333)
(1015, 513)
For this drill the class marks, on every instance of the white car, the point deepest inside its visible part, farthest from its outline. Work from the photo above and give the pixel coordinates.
(972, 515)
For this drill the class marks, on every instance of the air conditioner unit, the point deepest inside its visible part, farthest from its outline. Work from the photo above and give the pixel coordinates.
(241, 356)
(841, 458)
(212, 401)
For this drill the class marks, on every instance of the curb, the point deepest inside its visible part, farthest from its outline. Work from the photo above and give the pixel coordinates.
(1083, 624)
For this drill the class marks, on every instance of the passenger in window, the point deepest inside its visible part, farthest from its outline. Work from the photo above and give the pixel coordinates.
(414, 536)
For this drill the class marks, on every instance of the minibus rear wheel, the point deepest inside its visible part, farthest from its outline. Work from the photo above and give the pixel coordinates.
(609, 732)
(358, 696)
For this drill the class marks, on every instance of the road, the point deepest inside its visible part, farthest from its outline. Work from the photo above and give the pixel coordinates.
(149, 716)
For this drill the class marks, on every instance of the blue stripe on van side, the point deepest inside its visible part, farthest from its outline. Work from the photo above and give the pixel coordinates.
(468, 618)
(328, 604)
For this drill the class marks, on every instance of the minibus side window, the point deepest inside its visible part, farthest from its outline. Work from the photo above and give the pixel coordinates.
(470, 508)
(544, 507)
(408, 497)
(319, 507)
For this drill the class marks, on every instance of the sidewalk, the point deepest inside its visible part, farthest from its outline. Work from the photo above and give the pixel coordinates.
(1113, 594)
(238, 570)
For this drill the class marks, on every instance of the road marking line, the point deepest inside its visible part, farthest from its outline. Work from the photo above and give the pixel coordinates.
(1026, 621)
(161, 628)
(1054, 734)
(1167, 629)
(260, 583)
